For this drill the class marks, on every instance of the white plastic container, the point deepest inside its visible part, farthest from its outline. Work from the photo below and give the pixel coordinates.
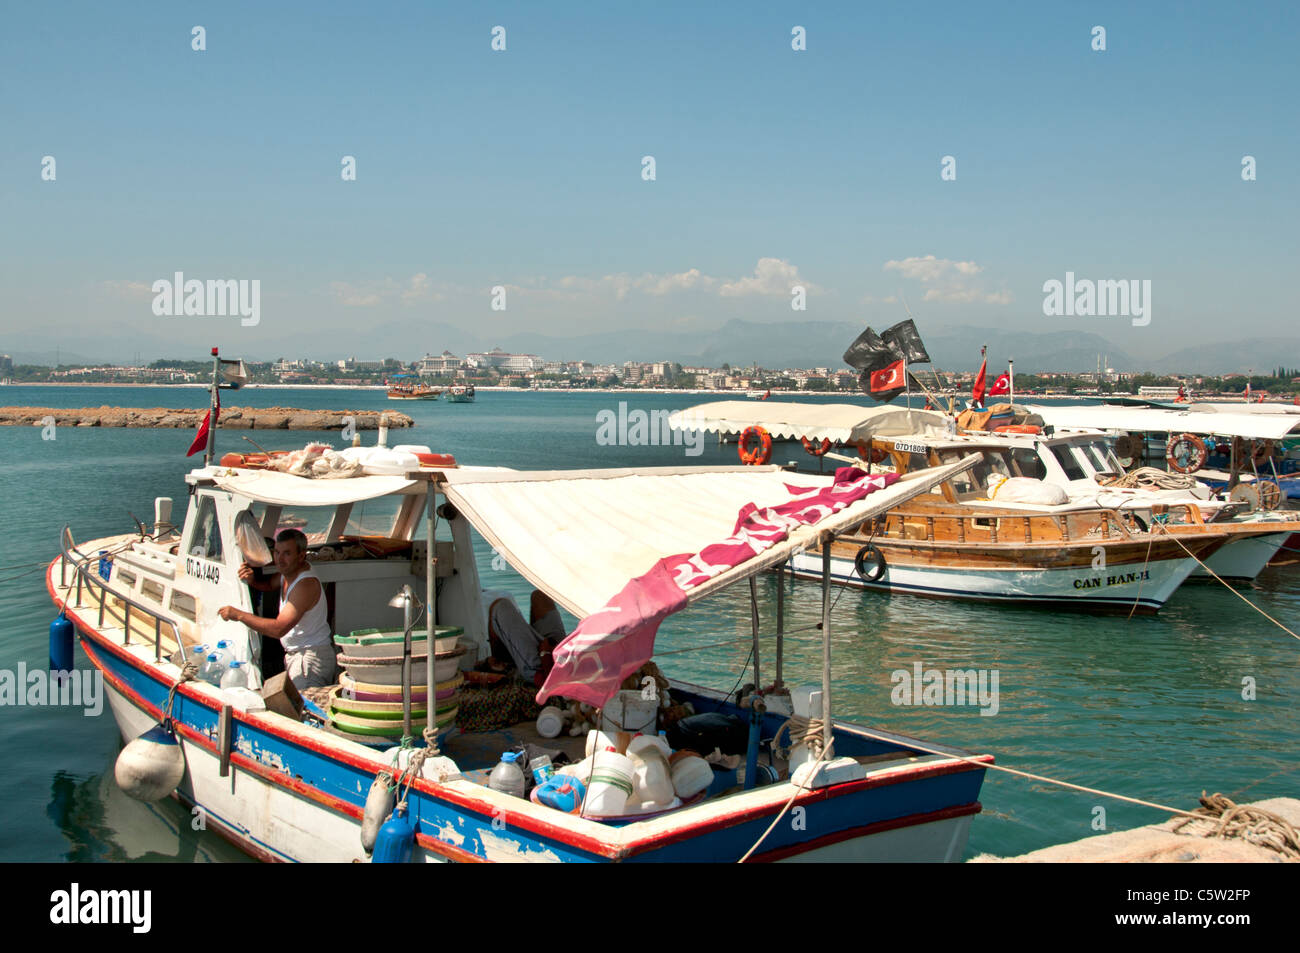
(550, 722)
(211, 671)
(628, 711)
(235, 676)
(507, 777)
(611, 784)
(652, 784)
(599, 741)
(579, 769)
(691, 774)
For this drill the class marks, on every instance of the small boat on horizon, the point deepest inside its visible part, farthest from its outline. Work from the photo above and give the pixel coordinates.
(460, 393)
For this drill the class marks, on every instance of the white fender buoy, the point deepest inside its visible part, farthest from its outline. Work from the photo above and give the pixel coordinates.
(379, 805)
(150, 767)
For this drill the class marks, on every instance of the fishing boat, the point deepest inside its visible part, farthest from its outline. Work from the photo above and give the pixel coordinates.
(460, 393)
(284, 788)
(413, 392)
(960, 543)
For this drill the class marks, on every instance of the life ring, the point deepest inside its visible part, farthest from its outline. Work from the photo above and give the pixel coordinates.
(1018, 428)
(437, 461)
(1128, 449)
(877, 568)
(1186, 454)
(760, 454)
(817, 450)
(869, 452)
(251, 461)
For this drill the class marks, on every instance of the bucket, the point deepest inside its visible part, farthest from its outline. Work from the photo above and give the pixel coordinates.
(628, 711)
(691, 774)
(611, 785)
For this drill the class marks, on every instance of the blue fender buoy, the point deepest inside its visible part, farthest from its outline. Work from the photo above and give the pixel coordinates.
(150, 767)
(61, 632)
(396, 839)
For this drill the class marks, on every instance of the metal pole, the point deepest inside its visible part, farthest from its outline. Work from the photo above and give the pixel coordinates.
(780, 624)
(431, 607)
(753, 623)
(826, 645)
(1011, 382)
(406, 662)
(212, 403)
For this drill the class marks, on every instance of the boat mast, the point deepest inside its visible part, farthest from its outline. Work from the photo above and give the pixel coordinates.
(826, 644)
(431, 610)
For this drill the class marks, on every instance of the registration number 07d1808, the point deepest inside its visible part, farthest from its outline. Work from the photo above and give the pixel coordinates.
(902, 447)
(201, 569)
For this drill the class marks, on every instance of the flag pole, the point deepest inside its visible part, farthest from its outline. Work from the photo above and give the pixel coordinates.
(212, 400)
(1011, 382)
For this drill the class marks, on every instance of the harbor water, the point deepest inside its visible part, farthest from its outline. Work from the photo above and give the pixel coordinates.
(1200, 697)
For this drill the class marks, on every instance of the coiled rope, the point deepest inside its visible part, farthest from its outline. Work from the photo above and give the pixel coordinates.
(1252, 824)
(810, 730)
(1150, 478)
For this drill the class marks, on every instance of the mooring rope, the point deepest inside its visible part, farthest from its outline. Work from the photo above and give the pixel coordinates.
(188, 671)
(1150, 478)
(1220, 579)
(1252, 824)
(811, 729)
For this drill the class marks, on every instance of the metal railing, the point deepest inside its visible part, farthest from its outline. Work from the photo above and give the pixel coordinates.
(80, 563)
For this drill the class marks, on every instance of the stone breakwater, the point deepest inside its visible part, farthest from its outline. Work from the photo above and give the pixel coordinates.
(232, 418)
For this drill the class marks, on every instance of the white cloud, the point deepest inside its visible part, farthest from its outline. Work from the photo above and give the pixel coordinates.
(772, 276)
(948, 280)
(930, 268)
(416, 288)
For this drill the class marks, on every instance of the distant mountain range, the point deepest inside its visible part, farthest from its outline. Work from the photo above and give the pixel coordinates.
(743, 343)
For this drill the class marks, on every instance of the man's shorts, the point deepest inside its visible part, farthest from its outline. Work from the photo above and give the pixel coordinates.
(313, 667)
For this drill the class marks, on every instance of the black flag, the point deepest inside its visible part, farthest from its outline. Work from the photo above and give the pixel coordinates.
(906, 342)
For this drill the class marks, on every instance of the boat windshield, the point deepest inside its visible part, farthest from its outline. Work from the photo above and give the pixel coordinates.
(976, 479)
(1065, 457)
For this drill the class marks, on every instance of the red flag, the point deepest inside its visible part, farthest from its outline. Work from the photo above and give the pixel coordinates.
(1001, 386)
(977, 392)
(201, 438)
(889, 377)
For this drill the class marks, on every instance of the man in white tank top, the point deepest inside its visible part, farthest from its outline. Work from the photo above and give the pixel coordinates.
(302, 625)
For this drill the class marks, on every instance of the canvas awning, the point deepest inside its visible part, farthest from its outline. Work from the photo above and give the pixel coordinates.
(846, 423)
(271, 486)
(581, 535)
(1272, 426)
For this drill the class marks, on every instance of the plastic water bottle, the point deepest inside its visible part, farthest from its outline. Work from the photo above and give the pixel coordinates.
(235, 676)
(199, 656)
(211, 671)
(507, 777)
(225, 653)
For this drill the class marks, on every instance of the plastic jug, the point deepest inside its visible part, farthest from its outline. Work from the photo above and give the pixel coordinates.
(652, 782)
(211, 671)
(508, 777)
(611, 784)
(235, 676)
(199, 656)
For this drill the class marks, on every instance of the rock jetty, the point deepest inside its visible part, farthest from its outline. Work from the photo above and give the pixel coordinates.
(232, 418)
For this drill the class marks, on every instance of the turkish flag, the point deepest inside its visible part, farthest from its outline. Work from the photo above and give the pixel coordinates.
(889, 377)
(201, 438)
(977, 392)
(1001, 386)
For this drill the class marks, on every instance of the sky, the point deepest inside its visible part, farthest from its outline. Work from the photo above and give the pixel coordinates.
(523, 169)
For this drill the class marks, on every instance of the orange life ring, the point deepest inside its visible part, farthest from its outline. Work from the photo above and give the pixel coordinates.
(868, 452)
(438, 461)
(1018, 428)
(1190, 458)
(250, 461)
(760, 454)
(817, 450)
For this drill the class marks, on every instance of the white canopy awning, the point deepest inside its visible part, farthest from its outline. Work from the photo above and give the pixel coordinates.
(1157, 420)
(270, 486)
(847, 423)
(582, 535)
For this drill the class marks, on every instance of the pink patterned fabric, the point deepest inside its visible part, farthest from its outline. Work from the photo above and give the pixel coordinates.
(611, 644)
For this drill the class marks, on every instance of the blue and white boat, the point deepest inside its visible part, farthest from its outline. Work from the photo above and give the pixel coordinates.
(285, 789)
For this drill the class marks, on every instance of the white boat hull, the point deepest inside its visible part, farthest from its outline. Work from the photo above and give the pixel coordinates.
(1150, 586)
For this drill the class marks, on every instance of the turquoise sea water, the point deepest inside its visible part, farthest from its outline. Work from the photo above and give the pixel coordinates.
(1150, 707)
